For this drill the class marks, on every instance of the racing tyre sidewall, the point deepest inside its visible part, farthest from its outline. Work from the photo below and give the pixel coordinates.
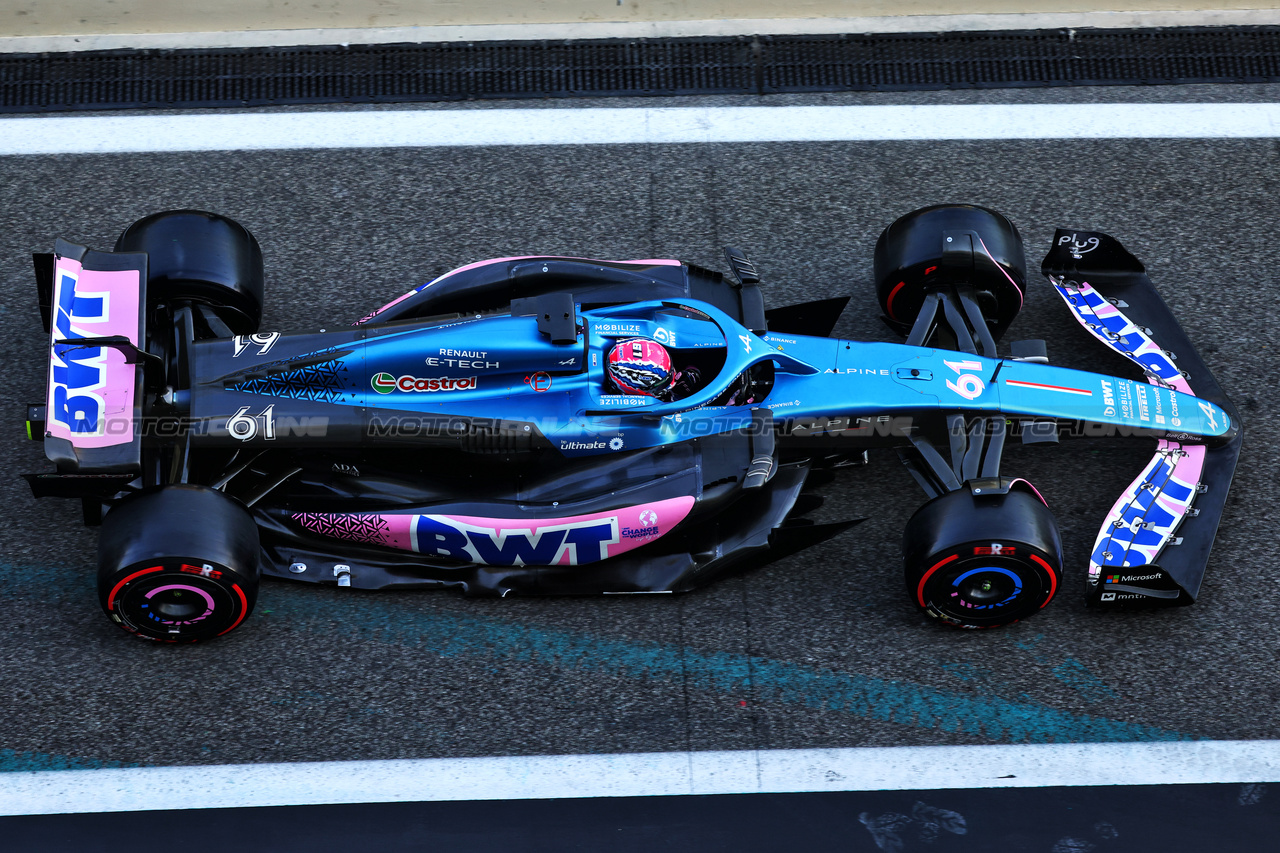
(204, 258)
(975, 562)
(178, 564)
(909, 252)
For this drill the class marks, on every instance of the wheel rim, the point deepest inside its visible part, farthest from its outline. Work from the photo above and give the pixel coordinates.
(177, 603)
(986, 591)
(986, 587)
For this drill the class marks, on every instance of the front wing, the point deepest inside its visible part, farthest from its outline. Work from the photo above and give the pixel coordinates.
(1154, 544)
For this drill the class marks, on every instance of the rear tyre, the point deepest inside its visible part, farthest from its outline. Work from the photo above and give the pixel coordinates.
(178, 564)
(909, 253)
(982, 561)
(203, 258)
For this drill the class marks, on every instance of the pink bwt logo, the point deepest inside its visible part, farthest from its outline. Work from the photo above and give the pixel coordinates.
(569, 541)
(90, 391)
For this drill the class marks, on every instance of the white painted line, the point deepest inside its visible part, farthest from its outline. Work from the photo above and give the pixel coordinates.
(622, 126)
(643, 29)
(639, 774)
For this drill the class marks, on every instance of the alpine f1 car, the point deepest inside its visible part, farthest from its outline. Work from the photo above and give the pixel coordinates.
(560, 425)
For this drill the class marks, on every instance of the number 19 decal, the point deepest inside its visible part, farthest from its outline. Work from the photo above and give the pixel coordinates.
(966, 385)
(244, 426)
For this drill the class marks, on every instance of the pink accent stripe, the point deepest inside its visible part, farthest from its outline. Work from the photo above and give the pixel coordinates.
(666, 262)
(987, 252)
(1062, 388)
(477, 265)
(208, 599)
(1027, 483)
(395, 301)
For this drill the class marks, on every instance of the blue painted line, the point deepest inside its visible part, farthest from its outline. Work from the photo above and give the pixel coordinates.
(12, 761)
(755, 678)
(388, 618)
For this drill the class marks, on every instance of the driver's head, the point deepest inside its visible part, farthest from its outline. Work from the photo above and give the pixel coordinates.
(640, 366)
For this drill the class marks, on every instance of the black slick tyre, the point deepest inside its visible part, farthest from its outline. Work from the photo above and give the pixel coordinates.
(204, 258)
(178, 564)
(982, 561)
(908, 262)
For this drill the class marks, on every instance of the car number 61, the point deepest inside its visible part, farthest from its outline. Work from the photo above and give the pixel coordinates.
(244, 426)
(966, 385)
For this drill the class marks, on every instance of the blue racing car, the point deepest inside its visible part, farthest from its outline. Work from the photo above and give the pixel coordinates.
(544, 425)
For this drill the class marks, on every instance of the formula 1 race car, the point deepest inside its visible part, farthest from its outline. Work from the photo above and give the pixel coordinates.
(560, 425)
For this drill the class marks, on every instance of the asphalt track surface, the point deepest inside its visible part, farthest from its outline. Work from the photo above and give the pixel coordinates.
(823, 649)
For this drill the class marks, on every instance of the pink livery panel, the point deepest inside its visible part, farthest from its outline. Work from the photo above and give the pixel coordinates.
(96, 307)
(512, 541)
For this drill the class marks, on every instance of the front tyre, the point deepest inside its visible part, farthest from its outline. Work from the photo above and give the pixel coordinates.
(982, 561)
(178, 564)
(909, 263)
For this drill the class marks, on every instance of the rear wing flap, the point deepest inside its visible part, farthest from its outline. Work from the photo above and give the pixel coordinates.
(96, 315)
(1154, 545)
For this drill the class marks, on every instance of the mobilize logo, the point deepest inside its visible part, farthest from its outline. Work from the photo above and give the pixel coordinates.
(385, 383)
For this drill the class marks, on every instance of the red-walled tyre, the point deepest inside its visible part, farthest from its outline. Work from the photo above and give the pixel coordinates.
(178, 564)
(908, 257)
(982, 561)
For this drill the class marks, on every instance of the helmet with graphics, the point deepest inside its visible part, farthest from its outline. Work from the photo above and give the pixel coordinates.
(640, 366)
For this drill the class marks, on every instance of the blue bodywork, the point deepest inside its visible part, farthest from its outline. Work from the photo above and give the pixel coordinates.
(503, 368)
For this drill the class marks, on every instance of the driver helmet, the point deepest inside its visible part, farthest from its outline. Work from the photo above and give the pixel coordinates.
(640, 366)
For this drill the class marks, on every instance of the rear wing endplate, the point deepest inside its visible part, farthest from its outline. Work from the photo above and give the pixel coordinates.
(1154, 544)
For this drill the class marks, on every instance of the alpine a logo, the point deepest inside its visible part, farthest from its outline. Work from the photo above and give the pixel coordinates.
(385, 383)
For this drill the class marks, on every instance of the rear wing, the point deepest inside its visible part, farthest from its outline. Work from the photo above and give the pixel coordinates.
(95, 310)
(1154, 544)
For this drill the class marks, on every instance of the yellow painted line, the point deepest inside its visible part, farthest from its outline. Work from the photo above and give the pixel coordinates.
(34, 26)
